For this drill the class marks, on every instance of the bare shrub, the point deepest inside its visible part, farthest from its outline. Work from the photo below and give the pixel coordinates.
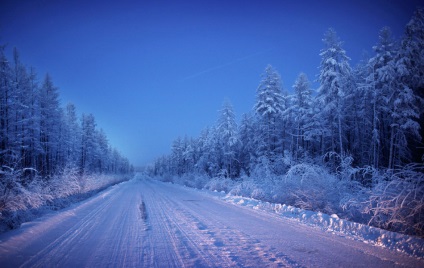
(311, 187)
(396, 202)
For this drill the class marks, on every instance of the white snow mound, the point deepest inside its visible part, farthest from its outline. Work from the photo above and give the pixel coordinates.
(410, 245)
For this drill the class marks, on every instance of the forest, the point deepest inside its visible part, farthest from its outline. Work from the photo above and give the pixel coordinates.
(49, 156)
(352, 147)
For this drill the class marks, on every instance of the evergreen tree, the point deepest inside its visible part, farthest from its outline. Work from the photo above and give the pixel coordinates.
(382, 87)
(73, 139)
(248, 151)
(412, 55)
(89, 147)
(50, 120)
(103, 159)
(5, 110)
(228, 139)
(302, 102)
(333, 78)
(404, 113)
(269, 108)
(177, 156)
(411, 62)
(360, 113)
(40, 139)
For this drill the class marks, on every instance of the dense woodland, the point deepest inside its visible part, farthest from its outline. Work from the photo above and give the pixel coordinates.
(352, 147)
(38, 136)
(46, 152)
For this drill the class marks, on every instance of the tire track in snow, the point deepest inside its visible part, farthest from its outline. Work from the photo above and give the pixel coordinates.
(245, 237)
(240, 247)
(213, 243)
(179, 227)
(103, 231)
(182, 248)
(77, 232)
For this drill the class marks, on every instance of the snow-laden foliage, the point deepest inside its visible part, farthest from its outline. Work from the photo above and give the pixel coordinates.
(248, 188)
(37, 133)
(410, 245)
(228, 140)
(269, 98)
(220, 184)
(397, 200)
(347, 149)
(301, 110)
(310, 187)
(334, 81)
(19, 202)
(47, 155)
(269, 108)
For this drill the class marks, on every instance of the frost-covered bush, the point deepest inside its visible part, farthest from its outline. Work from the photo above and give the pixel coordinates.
(262, 172)
(259, 194)
(15, 196)
(219, 184)
(194, 180)
(355, 191)
(310, 187)
(16, 200)
(67, 183)
(177, 179)
(21, 197)
(264, 179)
(397, 200)
(247, 188)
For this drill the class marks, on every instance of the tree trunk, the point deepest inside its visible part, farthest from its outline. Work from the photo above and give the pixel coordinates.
(392, 133)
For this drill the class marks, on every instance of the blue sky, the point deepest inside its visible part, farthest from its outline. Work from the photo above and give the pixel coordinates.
(151, 71)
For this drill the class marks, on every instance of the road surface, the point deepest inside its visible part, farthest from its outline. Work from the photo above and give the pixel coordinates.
(146, 223)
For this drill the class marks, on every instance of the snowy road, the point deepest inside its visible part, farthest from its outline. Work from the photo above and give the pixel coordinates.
(152, 224)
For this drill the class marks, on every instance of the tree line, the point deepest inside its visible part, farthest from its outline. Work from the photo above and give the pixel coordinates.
(40, 138)
(352, 147)
(371, 113)
(49, 156)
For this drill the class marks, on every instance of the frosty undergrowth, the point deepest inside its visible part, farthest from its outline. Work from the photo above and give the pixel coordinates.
(410, 245)
(394, 200)
(22, 202)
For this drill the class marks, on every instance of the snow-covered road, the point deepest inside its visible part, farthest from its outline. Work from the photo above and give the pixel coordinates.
(146, 223)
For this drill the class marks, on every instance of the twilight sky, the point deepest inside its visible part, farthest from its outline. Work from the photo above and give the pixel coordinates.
(150, 71)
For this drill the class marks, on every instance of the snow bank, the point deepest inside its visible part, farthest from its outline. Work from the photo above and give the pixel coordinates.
(19, 203)
(410, 245)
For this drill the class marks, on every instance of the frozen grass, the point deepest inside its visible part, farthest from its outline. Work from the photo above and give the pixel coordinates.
(21, 202)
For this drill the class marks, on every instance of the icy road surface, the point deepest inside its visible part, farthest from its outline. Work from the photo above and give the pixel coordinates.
(147, 223)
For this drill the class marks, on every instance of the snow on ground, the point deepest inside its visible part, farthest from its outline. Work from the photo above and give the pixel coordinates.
(410, 245)
(146, 223)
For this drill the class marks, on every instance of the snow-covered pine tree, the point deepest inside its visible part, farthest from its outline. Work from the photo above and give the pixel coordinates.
(89, 147)
(50, 120)
(228, 139)
(189, 154)
(301, 109)
(360, 112)
(269, 108)
(333, 78)
(103, 162)
(411, 59)
(177, 156)
(21, 110)
(404, 110)
(73, 140)
(382, 81)
(412, 48)
(247, 143)
(207, 156)
(5, 110)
